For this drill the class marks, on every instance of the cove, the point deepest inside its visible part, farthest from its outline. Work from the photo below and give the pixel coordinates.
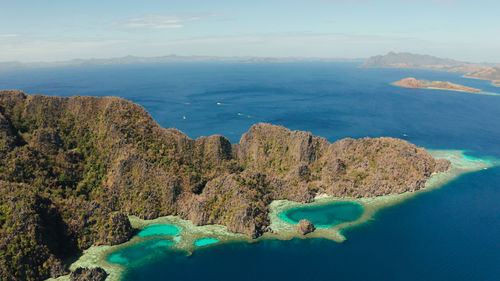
(326, 215)
(159, 230)
(140, 251)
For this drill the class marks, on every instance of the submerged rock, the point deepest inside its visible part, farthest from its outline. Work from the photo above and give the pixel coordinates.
(88, 274)
(305, 226)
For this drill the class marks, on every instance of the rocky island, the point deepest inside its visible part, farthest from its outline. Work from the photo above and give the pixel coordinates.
(74, 170)
(413, 83)
(305, 226)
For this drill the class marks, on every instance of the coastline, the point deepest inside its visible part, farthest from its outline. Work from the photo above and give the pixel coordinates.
(492, 82)
(451, 90)
(282, 230)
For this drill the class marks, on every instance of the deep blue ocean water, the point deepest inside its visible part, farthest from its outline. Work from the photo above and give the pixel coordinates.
(452, 233)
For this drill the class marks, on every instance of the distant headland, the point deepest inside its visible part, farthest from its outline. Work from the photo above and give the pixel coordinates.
(483, 71)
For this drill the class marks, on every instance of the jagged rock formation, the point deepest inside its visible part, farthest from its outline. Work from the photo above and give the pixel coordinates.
(413, 83)
(305, 226)
(72, 169)
(86, 274)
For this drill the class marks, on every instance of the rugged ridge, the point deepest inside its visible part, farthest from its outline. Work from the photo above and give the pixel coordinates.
(72, 169)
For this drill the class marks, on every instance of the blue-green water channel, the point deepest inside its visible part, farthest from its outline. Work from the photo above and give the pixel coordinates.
(326, 215)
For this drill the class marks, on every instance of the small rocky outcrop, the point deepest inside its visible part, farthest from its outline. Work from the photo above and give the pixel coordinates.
(88, 274)
(305, 226)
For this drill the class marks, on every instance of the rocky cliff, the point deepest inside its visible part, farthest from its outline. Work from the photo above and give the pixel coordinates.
(72, 169)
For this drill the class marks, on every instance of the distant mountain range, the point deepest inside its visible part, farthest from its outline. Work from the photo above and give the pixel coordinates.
(164, 59)
(408, 60)
(484, 71)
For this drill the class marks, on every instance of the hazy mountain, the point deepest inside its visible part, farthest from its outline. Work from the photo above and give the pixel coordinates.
(409, 60)
(165, 59)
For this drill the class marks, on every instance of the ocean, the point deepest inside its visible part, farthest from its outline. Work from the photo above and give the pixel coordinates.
(452, 233)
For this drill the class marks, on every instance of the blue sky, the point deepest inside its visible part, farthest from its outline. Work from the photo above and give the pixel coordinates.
(51, 30)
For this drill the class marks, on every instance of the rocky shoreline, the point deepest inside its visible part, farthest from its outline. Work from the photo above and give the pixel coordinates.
(280, 229)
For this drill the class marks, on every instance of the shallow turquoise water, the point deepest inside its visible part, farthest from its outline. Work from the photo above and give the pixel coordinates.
(139, 251)
(205, 241)
(159, 230)
(324, 215)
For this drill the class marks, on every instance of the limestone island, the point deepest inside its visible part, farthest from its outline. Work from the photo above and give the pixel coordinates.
(98, 182)
(413, 83)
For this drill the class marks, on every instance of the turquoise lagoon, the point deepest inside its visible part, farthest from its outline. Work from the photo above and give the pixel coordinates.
(159, 230)
(139, 252)
(205, 241)
(147, 248)
(326, 215)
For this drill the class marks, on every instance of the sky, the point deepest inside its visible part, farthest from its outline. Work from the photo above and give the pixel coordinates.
(57, 30)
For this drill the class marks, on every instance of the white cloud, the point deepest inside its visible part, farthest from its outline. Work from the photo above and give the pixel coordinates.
(9, 35)
(30, 50)
(159, 22)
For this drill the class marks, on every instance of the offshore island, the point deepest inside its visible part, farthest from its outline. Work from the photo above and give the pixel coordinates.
(81, 174)
(413, 83)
